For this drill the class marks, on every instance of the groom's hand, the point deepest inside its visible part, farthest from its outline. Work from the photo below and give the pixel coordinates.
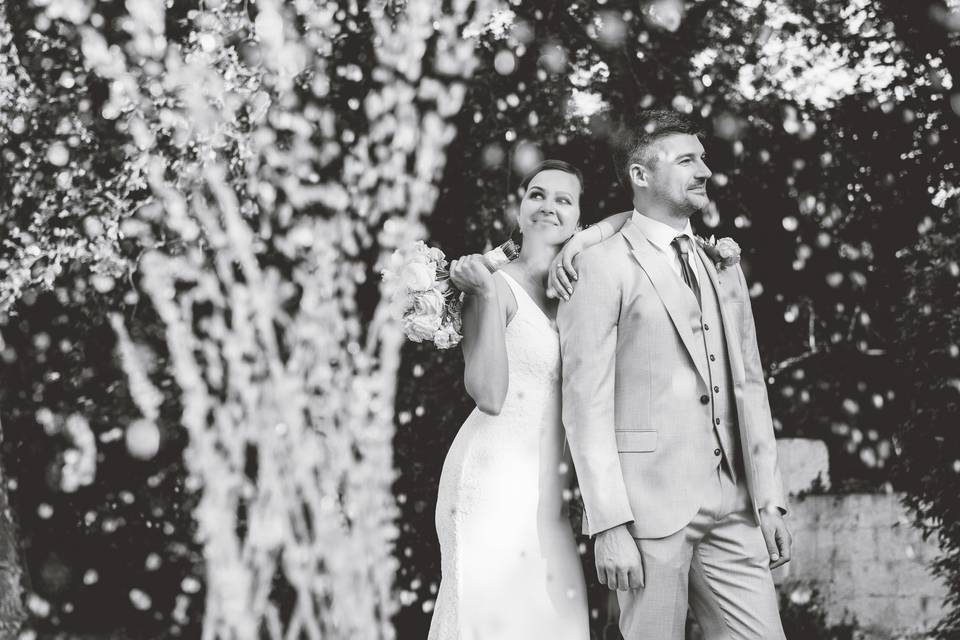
(777, 536)
(619, 563)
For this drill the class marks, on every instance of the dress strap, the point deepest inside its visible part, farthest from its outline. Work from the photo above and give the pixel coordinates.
(521, 296)
(524, 300)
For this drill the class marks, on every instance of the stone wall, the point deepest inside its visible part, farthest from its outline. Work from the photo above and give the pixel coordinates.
(862, 555)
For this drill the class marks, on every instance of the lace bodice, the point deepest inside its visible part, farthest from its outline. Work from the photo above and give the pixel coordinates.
(533, 349)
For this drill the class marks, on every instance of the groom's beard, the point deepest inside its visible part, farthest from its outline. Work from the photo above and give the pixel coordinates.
(692, 208)
(695, 207)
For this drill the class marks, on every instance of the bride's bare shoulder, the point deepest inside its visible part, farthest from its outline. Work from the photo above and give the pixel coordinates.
(508, 301)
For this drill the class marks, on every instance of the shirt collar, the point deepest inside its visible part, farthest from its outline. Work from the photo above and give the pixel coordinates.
(660, 234)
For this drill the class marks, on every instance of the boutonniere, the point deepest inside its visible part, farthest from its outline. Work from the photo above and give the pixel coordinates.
(723, 252)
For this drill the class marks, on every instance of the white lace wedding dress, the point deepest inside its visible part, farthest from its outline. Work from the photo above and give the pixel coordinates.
(510, 565)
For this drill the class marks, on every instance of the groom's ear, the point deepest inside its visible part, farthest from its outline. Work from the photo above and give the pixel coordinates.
(639, 175)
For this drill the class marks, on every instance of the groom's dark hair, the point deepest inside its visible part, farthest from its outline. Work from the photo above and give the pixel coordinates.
(637, 132)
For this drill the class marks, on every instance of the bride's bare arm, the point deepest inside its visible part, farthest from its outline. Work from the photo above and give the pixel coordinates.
(562, 272)
(484, 323)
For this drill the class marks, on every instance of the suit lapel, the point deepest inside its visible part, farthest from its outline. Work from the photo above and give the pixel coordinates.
(673, 296)
(730, 331)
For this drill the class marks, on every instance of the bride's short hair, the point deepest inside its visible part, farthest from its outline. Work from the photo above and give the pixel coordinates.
(552, 165)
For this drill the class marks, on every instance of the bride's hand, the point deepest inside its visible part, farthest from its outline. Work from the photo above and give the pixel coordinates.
(471, 275)
(562, 274)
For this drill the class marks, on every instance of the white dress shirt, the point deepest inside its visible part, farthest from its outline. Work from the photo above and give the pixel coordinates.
(661, 235)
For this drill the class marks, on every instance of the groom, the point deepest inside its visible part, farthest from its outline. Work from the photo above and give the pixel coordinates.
(666, 410)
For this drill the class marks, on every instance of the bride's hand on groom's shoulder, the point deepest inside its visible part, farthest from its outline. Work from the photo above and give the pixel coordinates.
(562, 272)
(471, 275)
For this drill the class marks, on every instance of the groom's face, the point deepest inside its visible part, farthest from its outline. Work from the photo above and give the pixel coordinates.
(677, 173)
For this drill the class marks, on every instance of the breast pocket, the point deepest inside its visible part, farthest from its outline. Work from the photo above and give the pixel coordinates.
(636, 441)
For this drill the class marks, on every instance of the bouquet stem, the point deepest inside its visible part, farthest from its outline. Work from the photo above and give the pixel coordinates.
(496, 258)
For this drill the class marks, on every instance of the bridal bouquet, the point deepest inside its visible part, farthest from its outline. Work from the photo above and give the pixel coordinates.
(430, 303)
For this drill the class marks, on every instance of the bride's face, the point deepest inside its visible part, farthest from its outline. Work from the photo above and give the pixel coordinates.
(550, 209)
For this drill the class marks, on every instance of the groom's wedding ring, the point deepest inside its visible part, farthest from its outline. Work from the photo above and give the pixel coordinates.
(560, 267)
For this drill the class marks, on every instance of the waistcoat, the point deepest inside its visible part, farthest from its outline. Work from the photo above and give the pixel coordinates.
(723, 412)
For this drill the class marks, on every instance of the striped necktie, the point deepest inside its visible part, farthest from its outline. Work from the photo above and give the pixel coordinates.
(681, 244)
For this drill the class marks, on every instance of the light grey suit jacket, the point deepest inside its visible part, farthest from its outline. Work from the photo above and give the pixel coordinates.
(641, 438)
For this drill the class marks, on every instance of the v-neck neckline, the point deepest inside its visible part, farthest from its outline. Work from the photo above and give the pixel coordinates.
(543, 314)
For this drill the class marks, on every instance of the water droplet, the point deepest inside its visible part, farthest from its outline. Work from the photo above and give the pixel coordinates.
(612, 29)
(153, 562)
(801, 596)
(850, 406)
(505, 62)
(190, 585)
(58, 154)
(554, 58)
(38, 606)
(526, 156)
(140, 599)
(143, 439)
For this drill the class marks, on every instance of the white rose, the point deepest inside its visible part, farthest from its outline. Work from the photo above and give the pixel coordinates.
(417, 276)
(420, 328)
(729, 251)
(418, 257)
(437, 255)
(421, 252)
(428, 303)
(447, 337)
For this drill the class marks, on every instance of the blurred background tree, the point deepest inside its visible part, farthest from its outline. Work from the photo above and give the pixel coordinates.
(199, 368)
(929, 354)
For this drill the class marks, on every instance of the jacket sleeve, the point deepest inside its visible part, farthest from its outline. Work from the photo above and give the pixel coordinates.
(588, 343)
(757, 405)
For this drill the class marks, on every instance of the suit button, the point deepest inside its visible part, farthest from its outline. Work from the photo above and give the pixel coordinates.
(716, 452)
(712, 357)
(706, 327)
(704, 399)
(716, 389)
(718, 422)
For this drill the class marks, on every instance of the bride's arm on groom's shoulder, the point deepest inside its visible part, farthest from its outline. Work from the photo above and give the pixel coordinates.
(609, 225)
(563, 272)
(484, 318)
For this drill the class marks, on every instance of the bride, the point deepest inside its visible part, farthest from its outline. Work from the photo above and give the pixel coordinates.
(510, 565)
